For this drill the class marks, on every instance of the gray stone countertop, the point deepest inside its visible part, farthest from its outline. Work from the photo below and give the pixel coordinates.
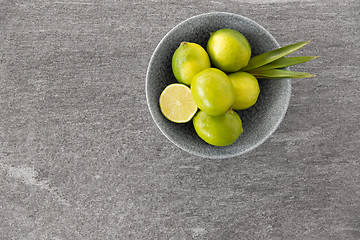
(81, 158)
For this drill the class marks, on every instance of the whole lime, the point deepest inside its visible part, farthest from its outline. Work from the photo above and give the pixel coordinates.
(188, 60)
(246, 88)
(220, 130)
(213, 91)
(228, 49)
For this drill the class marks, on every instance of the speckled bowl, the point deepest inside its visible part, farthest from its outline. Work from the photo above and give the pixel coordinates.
(259, 121)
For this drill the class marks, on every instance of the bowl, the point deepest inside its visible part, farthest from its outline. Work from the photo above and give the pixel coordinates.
(259, 121)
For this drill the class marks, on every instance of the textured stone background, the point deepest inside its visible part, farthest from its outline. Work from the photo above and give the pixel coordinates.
(80, 157)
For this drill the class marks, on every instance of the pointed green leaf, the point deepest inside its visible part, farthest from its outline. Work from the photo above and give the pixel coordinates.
(273, 55)
(285, 62)
(261, 77)
(279, 73)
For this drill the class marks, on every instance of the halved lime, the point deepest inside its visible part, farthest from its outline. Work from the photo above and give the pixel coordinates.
(177, 103)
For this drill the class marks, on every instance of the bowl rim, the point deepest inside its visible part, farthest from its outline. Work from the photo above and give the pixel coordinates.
(227, 155)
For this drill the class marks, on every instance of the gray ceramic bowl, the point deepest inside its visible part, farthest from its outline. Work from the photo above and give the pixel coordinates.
(259, 121)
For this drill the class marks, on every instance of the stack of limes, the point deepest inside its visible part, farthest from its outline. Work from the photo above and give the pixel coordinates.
(212, 83)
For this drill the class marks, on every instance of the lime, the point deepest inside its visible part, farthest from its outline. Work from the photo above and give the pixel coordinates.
(177, 104)
(220, 130)
(246, 88)
(213, 91)
(188, 60)
(229, 50)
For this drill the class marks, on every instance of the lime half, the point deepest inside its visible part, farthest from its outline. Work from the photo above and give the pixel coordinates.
(177, 103)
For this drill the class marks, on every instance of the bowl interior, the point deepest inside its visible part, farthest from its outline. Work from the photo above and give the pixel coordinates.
(259, 121)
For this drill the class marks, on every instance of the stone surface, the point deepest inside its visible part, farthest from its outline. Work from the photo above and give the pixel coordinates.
(81, 158)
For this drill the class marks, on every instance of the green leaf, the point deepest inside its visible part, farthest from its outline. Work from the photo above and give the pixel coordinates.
(262, 59)
(285, 62)
(279, 73)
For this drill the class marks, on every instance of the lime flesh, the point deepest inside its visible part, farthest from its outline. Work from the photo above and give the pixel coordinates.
(176, 103)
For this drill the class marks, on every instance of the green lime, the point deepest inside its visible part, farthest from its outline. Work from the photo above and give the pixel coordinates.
(177, 104)
(188, 60)
(213, 91)
(220, 130)
(229, 50)
(246, 88)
